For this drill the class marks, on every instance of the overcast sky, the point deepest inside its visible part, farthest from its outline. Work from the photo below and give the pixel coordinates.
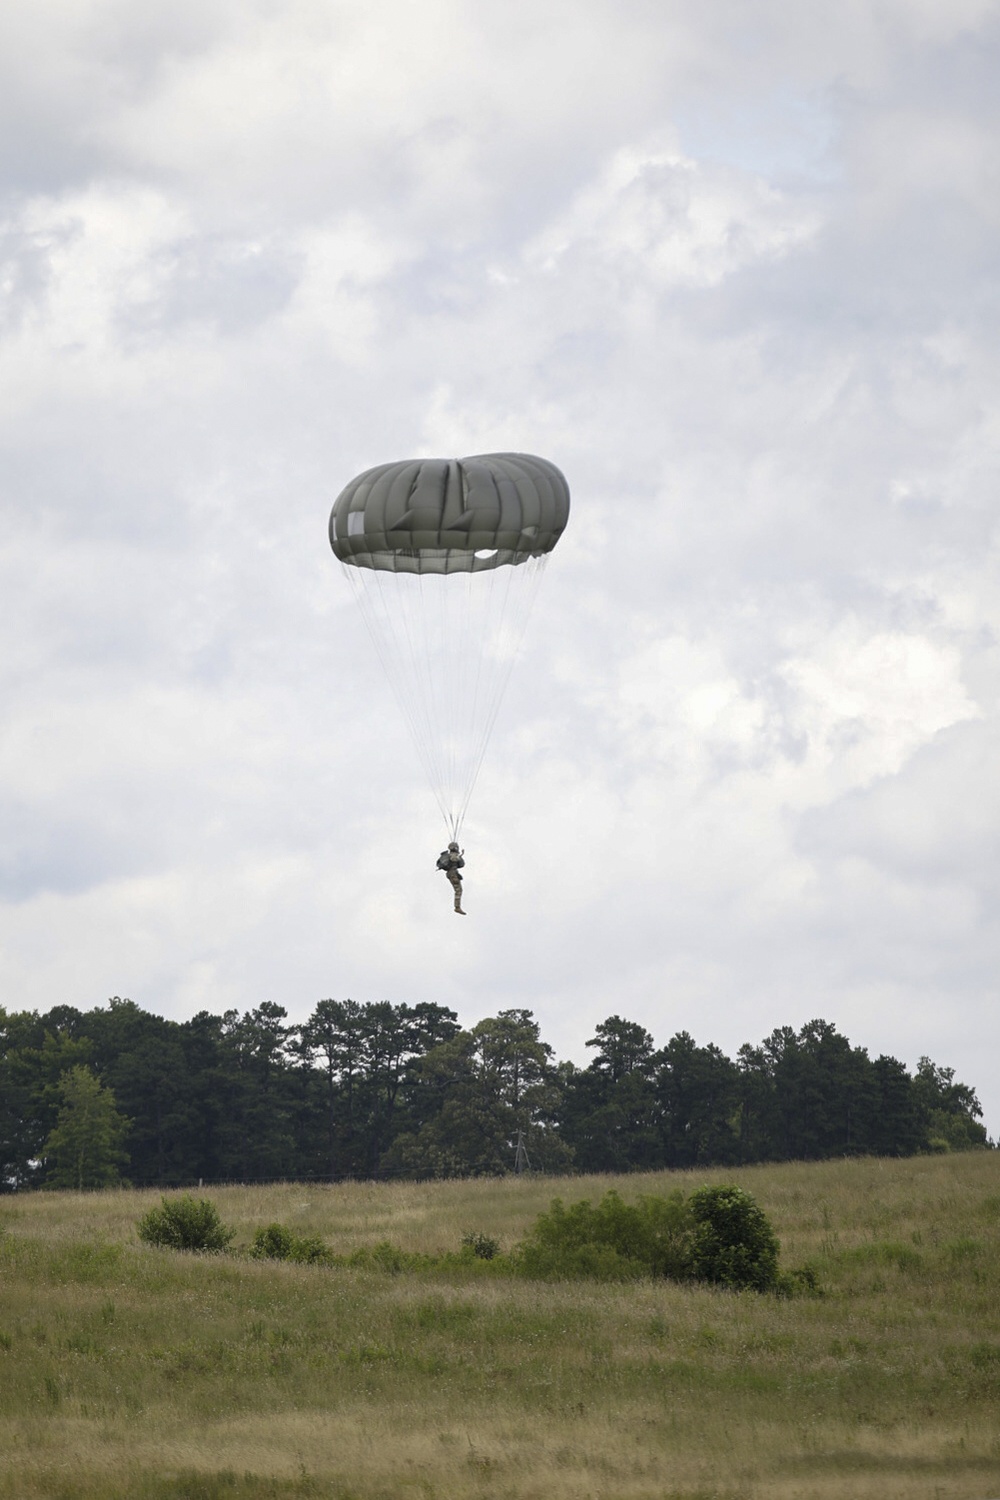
(734, 268)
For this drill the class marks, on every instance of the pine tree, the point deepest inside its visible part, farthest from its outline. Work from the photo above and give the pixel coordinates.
(84, 1150)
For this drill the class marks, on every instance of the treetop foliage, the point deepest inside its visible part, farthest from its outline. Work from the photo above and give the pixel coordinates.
(369, 1090)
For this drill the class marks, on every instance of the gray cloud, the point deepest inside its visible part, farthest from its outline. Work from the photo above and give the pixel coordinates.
(734, 270)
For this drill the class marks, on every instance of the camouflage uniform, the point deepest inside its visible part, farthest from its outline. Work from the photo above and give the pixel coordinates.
(451, 861)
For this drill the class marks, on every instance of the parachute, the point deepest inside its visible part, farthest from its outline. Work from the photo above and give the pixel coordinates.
(445, 557)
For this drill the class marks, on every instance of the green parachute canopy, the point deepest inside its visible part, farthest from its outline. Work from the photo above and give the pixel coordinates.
(459, 515)
(445, 557)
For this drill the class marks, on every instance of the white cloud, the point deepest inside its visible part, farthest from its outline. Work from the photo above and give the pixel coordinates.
(865, 705)
(656, 215)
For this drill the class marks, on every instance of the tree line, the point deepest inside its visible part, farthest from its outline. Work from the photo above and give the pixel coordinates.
(379, 1090)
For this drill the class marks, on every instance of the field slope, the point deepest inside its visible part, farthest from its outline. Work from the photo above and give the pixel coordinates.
(132, 1372)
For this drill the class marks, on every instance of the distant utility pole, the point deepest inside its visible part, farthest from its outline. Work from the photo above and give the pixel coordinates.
(521, 1162)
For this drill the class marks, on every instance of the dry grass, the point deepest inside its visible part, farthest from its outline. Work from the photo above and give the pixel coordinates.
(126, 1371)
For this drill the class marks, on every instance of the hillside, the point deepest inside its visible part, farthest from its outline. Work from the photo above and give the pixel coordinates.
(131, 1372)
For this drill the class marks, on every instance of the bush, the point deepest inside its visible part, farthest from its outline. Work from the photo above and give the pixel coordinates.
(309, 1250)
(719, 1235)
(386, 1257)
(275, 1242)
(184, 1224)
(614, 1241)
(482, 1246)
(733, 1243)
(803, 1281)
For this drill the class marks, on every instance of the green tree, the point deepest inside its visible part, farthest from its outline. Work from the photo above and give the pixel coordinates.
(332, 1045)
(85, 1148)
(141, 1057)
(609, 1110)
(897, 1128)
(949, 1111)
(356, 1059)
(476, 1093)
(806, 1096)
(698, 1094)
(257, 1086)
(36, 1052)
(621, 1047)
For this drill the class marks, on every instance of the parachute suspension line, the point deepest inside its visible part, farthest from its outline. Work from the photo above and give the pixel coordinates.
(399, 660)
(437, 691)
(447, 645)
(423, 692)
(419, 690)
(471, 696)
(456, 648)
(523, 581)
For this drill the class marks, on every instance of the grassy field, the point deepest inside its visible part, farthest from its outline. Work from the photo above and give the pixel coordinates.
(132, 1372)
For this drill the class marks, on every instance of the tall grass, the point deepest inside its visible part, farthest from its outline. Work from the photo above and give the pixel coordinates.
(132, 1372)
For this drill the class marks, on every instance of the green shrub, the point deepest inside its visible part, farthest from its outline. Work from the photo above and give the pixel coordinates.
(275, 1242)
(272, 1243)
(386, 1257)
(719, 1235)
(184, 1224)
(733, 1244)
(803, 1281)
(614, 1241)
(309, 1250)
(482, 1246)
